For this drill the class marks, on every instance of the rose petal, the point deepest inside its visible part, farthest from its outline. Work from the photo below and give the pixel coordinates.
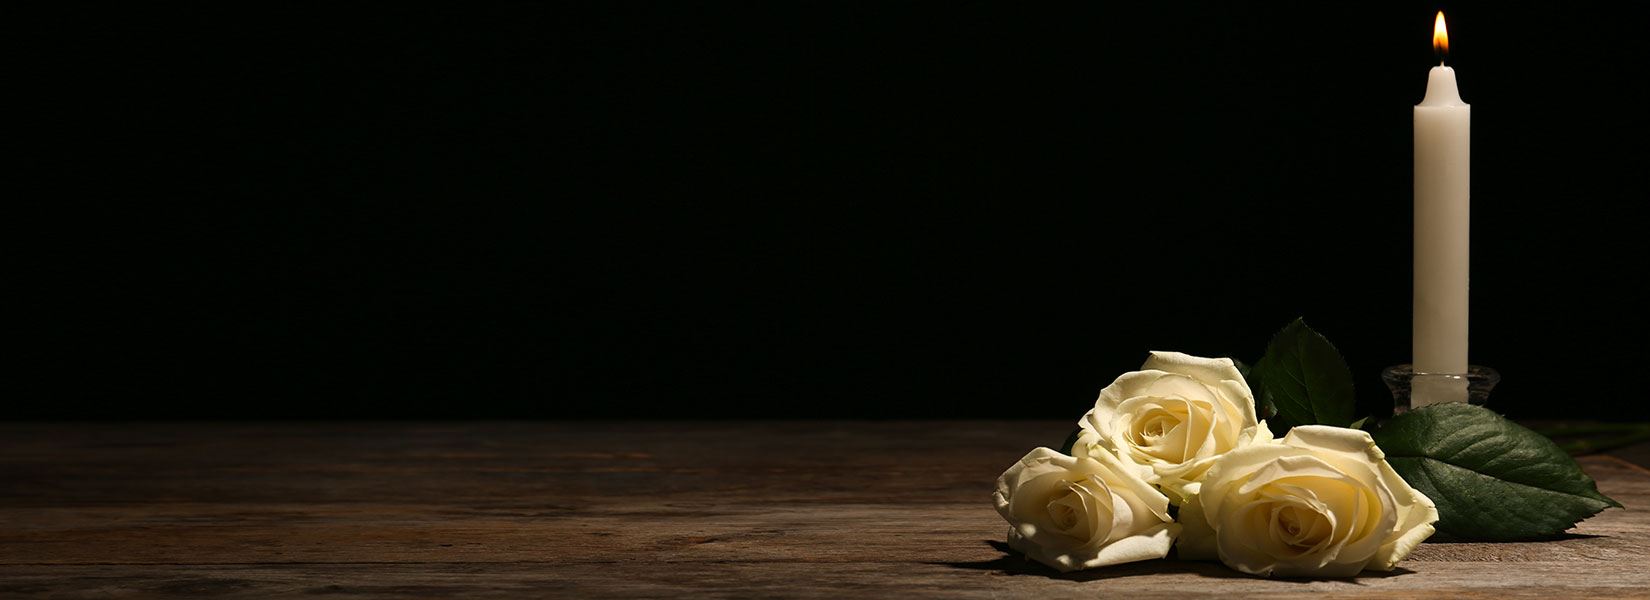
(1196, 367)
(1079, 512)
(1415, 522)
(1150, 544)
(1321, 502)
(1207, 399)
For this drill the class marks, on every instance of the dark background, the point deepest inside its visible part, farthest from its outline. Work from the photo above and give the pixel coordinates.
(798, 209)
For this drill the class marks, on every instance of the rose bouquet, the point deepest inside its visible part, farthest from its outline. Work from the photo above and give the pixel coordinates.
(1179, 456)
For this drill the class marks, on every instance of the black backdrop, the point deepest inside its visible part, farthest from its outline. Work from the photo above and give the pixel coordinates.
(798, 209)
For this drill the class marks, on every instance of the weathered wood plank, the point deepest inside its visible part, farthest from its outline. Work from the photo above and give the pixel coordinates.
(627, 509)
(796, 580)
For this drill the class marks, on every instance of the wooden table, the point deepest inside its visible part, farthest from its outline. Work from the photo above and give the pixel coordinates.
(563, 510)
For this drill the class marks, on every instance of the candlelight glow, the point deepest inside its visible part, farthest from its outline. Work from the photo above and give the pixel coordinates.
(1440, 36)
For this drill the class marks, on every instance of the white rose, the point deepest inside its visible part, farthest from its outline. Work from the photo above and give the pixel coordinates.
(1075, 513)
(1324, 502)
(1173, 418)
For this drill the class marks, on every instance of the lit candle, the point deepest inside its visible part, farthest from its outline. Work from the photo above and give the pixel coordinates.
(1442, 122)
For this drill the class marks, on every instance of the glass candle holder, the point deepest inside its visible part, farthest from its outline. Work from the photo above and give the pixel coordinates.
(1413, 390)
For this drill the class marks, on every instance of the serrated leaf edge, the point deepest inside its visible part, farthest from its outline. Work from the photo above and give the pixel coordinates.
(1607, 501)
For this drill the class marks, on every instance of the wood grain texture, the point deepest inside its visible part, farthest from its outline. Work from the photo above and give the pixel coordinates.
(718, 509)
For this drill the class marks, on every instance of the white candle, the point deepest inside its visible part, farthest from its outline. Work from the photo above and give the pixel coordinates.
(1442, 123)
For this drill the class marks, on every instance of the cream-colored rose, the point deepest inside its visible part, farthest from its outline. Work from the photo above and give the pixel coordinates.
(1173, 418)
(1075, 513)
(1324, 503)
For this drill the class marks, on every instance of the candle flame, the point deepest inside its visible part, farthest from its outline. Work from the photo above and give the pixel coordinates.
(1440, 36)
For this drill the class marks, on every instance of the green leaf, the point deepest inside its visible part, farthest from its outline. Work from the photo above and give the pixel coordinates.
(1492, 479)
(1071, 440)
(1359, 424)
(1264, 410)
(1304, 377)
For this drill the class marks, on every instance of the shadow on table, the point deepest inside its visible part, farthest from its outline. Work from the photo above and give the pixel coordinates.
(1444, 538)
(1013, 563)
